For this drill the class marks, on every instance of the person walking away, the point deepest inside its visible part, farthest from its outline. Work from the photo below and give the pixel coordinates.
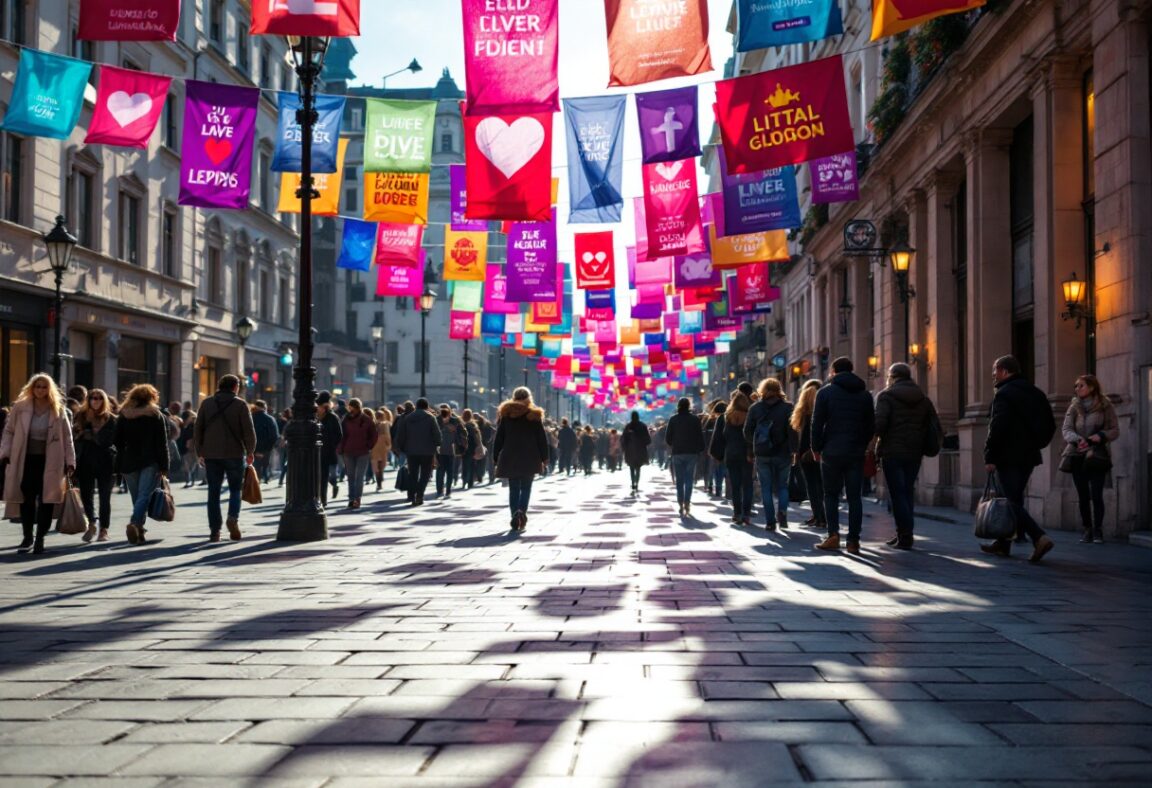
(843, 423)
(1021, 425)
(37, 454)
(685, 439)
(225, 440)
(730, 448)
(175, 425)
(402, 410)
(418, 437)
(635, 440)
(487, 436)
(587, 449)
(142, 452)
(452, 442)
(330, 435)
(94, 439)
(613, 450)
(520, 451)
(383, 447)
(474, 451)
(907, 430)
(801, 423)
(566, 447)
(356, 442)
(661, 444)
(184, 444)
(768, 432)
(267, 434)
(1090, 427)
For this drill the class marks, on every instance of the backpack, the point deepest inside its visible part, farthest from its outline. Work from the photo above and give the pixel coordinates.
(762, 442)
(1041, 422)
(932, 442)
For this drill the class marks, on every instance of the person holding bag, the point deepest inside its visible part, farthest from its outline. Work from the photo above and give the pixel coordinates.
(95, 439)
(1090, 427)
(141, 452)
(225, 440)
(39, 454)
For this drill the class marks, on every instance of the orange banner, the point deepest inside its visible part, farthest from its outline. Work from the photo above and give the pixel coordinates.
(328, 184)
(465, 256)
(732, 251)
(650, 41)
(399, 198)
(890, 17)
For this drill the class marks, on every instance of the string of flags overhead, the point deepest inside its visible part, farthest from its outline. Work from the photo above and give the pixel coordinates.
(698, 266)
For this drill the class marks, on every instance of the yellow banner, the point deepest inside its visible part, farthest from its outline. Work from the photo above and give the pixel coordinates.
(328, 184)
(890, 17)
(732, 251)
(396, 197)
(465, 256)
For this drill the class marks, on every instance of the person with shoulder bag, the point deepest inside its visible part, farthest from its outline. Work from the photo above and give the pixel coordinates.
(728, 446)
(635, 440)
(225, 440)
(474, 451)
(141, 452)
(94, 435)
(1090, 427)
(383, 446)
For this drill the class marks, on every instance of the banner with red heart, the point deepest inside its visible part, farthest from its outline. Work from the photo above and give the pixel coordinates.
(595, 261)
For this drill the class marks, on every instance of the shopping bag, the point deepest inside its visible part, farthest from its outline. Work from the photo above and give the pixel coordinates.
(161, 507)
(402, 479)
(797, 491)
(995, 514)
(72, 518)
(251, 492)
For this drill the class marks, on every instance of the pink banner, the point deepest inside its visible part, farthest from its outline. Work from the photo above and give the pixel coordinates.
(400, 280)
(672, 209)
(399, 244)
(463, 325)
(752, 286)
(128, 106)
(496, 292)
(127, 20)
(511, 56)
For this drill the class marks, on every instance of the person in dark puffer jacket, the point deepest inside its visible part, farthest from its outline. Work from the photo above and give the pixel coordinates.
(774, 464)
(685, 439)
(520, 451)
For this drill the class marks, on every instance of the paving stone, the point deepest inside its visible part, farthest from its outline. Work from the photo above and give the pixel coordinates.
(209, 760)
(184, 732)
(346, 730)
(1115, 712)
(690, 763)
(64, 761)
(916, 722)
(36, 709)
(849, 690)
(62, 732)
(273, 708)
(337, 761)
(137, 710)
(790, 732)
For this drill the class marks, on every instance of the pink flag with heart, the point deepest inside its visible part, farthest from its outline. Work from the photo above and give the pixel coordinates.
(399, 244)
(672, 209)
(128, 107)
(509, 167)
(511, 56)
(595, 264)
(216, 158)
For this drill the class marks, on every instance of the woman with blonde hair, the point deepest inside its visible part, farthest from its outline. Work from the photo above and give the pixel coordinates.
(142, 452)
(37, 446)
(1090, 427)
(383, 445)
(801, 423)
(772, 441)
(94, 434)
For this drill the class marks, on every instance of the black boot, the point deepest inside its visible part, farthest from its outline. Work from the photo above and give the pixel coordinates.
(26, 544)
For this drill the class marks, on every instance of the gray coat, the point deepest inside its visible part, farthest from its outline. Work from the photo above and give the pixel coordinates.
(418, 434)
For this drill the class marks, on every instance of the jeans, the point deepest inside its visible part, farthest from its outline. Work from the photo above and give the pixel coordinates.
(843, 473)
(718, 472)
(33, 511)
(357, 471)
(1013, 483)
(141, 483)
(814, 486)
(1090, 491)
(773, 474)
(216, 471)
(445, 474)
(419, 471)
(684, 473)
(261, 462)
(634, 473)
(901, 478)
(519, 491)
(566, 462)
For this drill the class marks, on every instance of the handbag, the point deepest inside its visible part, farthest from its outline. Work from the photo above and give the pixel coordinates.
(480, 452)
(1070, 463)
(72, 518)
(797, 490)
(995, 514)
(251, 491)
(1097, 460)
(161, 507)
(869, 464)
(402, 479)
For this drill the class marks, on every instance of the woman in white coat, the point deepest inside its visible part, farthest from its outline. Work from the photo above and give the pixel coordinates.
(37, 447)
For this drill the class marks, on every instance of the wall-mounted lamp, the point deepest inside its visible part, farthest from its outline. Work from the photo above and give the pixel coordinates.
(873, 366)
(914, 352)
(1076, 299)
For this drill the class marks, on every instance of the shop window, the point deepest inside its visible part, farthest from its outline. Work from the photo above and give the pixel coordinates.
(130, 227)
(144, 361)
(17, 359)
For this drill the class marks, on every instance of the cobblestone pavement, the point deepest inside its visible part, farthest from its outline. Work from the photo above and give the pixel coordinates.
(611, 644)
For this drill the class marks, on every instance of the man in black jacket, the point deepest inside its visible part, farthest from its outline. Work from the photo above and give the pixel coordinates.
(1012, 449)
(843, 423)
(685, 439)
(566, 447)
(418, 437)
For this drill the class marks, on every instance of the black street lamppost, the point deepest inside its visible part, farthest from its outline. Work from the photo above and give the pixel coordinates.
(466, 345)
(377, 330)
(244, 328)
(901, 256)
(303, 518)
(60, 244)
(427, 301)
(501, 395)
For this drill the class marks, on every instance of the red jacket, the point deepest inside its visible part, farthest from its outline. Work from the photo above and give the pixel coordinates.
(359, 436)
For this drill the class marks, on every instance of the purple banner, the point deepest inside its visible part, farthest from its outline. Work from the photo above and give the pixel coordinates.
(644, 311)
(834, 178)
(695, 270)
(759, 201)
(531, 267)
(669, 128)
(456, 183)
(216, 149)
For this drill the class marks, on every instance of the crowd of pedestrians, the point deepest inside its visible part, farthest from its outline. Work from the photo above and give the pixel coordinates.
(820, 448)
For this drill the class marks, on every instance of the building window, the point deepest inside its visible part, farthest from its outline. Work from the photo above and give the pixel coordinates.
(446, 142)
(129, 237)
(169, 242)
(421, 358)
(391, 356)
(265, 175)
(215, 265)
(285, 303)
(402, 304)
(266, 74)
(960, 255)
(243, 281)
(143, 361)
(11, 177)
(285, 78)
(14, 22)
(216, 22)
(84, 50)
(1021, 201)
(130, 65)
(243, 50)
(265, 297)
(81, 205)
(171, 123)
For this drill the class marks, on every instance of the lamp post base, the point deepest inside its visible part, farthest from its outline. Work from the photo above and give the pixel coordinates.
(303, 518)
(302, 527)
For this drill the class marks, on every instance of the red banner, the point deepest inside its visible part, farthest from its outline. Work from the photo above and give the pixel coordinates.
(509, 167)
(306, 18)
(511, 56)
(752, 286)
(648, 41)
(128, 20)
(672, 208)
(890, 17)
(463, 325)
(595, 261)
(399, 244)
(786, 116)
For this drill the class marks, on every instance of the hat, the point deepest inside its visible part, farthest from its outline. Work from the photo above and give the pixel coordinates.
(323, 398)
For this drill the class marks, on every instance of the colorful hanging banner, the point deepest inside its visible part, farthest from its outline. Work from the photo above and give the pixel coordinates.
(467, 296)
(289, 134)
(47, 96)
(357, 245)
(216, 154)
(890, 17)
(128, 107)
(398, 135)
(786, 116)
(458, 186)
(531, 262)
(760, 25)
(511, 56)
(549, 313)
(462, 325)
(752, 286)
(509, 167)
(671, 207)
(328, 184)
(649, 41)
(669, 124)
(128, 20)
(496, 293)
(595, 261)
(595, 132)
(400, 280)
(318, 18)
(695, 271)
(736, 250)
(397, 197)
(465, 256)
(760, 200)
(399, 244)
(834, 178)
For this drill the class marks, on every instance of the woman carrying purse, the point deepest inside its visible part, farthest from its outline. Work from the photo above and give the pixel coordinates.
(1090, 427)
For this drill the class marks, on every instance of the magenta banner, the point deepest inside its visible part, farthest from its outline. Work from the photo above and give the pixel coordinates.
(511, 56)
(457, 183)
(496, 292)
(531, 261)
(400, 280)
(216, 155)
(672, 208)
(834, 178)
(399, 244)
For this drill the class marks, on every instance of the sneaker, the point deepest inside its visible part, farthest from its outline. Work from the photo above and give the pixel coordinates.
(830, 543)
(132, 532)
(895, 540)
(997, 548)
(1043, 546)
(1086, 538)
(233, 529)
(89, 534)
(1098, 537)
(853, 547)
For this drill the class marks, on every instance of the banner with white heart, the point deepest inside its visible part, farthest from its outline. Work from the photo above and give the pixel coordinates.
(509, 167)
(128, 107)
(672, 209)
(595, 261)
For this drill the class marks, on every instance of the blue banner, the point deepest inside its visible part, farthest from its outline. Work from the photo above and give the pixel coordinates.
(491, 323)
(47, 96)
(359, 245)
(759, 201)
(595, 136)
(325, 135)
(761, 24)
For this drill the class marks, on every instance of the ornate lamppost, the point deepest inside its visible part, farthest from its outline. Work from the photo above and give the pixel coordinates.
(427, 301)
(60, 244)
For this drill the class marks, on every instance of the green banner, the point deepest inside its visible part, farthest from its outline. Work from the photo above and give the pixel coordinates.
(398, 135)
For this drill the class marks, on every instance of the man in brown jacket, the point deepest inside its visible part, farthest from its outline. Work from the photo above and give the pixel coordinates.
(225, 442)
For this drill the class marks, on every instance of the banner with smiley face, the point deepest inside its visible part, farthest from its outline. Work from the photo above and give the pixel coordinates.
(595, 261)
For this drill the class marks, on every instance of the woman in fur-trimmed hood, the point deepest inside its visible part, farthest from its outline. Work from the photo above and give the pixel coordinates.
(520, 450)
